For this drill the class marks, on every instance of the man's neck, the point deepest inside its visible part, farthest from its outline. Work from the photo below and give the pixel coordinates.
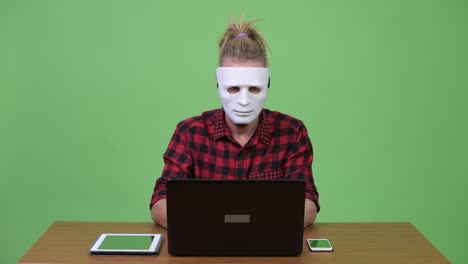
(242, 132)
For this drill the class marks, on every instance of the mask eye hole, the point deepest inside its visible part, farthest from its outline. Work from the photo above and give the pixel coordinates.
(255, 90)
(233, 89)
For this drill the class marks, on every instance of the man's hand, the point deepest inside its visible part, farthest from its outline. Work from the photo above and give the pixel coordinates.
(310, 211)
(159, 213)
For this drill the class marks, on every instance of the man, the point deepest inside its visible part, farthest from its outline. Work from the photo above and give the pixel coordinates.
(242, 140)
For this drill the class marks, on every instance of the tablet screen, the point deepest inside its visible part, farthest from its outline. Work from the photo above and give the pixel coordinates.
(114, 242)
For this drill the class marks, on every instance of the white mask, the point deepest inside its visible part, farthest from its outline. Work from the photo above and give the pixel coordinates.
(242, 91)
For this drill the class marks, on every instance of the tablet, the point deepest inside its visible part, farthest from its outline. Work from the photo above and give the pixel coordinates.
(128, 244)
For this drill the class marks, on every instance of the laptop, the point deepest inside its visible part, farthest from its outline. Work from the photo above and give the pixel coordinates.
(235, 217)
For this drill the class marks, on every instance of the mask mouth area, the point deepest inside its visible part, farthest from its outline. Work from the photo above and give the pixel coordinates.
(243, 113)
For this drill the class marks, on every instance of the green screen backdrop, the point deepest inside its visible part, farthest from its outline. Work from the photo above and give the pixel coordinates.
(91, 91)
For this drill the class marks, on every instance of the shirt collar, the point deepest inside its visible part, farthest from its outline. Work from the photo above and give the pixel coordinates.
(221, 129)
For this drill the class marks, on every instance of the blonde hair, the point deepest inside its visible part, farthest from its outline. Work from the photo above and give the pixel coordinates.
(242, 41)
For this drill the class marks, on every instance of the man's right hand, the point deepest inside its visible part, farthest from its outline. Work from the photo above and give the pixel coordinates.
(159, 213)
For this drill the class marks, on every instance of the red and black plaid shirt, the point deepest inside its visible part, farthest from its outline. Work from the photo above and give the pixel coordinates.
(202, 147)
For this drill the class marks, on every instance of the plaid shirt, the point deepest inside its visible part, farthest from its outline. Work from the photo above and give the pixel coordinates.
(202, 147)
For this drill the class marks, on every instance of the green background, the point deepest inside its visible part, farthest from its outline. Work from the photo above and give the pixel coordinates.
(91, 92)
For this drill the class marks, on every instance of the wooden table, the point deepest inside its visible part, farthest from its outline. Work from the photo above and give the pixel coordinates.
(69, 242)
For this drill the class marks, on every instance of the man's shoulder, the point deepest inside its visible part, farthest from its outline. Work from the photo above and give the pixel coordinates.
(281, 120)
(201, 121)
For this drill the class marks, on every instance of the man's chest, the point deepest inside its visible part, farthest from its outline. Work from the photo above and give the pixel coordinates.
(226, 160)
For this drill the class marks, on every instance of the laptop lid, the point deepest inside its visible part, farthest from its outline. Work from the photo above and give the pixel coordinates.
(235, 218)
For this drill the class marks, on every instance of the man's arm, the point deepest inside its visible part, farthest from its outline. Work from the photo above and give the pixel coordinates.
(299, 167)
(159, 213)
(177, 165)
(310, 211)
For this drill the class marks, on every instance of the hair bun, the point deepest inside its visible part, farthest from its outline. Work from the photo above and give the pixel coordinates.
(242, 41)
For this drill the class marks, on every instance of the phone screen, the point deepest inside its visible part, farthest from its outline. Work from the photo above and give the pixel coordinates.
(126, 242)
(319, 243)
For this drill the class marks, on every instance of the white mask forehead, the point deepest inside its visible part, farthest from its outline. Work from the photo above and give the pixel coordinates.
(242, 76)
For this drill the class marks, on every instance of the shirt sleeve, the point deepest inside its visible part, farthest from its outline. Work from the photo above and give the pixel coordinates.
(177, 164)
(299, 164)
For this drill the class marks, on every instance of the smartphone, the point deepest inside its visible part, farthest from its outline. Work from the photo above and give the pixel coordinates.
(319, 244)
(134, 244)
